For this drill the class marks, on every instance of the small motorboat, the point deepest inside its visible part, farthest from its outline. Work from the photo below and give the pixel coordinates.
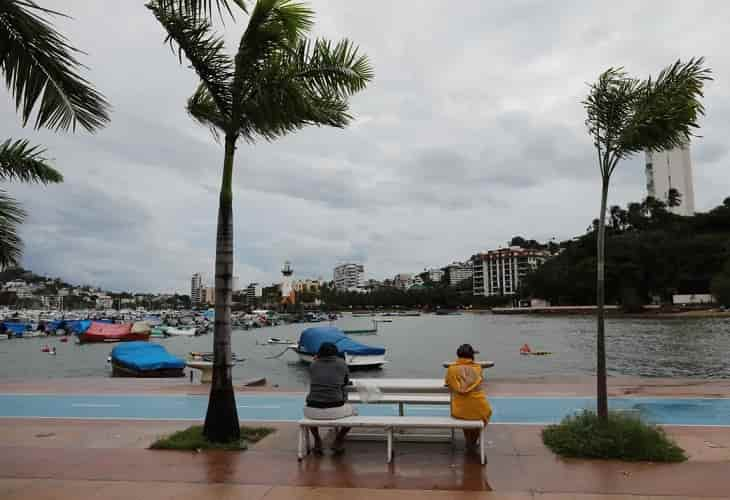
(181, 332)
(46, 348)
(525, 350)
(64, 339)
(145, 359)
(106, 332)
(356, 355)
(277, 340)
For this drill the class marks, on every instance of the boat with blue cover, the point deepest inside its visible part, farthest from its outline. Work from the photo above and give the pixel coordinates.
(355, 354)
(145, 359)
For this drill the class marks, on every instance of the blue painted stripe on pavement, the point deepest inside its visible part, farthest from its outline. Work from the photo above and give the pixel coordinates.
(274, 407)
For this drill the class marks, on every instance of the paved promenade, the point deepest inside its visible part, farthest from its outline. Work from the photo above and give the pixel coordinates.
(41, 458)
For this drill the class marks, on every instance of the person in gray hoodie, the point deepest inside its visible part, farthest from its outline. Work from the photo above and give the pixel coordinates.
(327, 398)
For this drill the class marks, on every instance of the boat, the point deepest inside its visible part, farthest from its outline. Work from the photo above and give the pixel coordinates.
(356, 355)
(277, 340)
(181, 332)
(106, 332)
(362, 331)
(15, 329)
(158, 331)
(145, 359)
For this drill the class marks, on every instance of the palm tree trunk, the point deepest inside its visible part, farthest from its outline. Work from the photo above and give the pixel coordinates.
(221, 420)
(601, 386)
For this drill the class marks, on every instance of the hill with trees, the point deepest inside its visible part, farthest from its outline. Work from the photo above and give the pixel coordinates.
(650, 254)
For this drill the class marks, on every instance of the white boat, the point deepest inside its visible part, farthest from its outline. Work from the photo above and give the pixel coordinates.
(181, 332)
(356, 355)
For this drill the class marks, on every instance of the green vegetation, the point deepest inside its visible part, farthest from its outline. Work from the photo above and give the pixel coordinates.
(649, 253)
(277, 83)
(620, 437)
(720, 285)
(192, 438)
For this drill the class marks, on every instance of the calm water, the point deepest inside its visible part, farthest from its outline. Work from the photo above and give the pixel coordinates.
(418, 345)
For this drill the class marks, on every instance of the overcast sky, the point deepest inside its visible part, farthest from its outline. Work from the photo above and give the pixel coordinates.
(471, 133)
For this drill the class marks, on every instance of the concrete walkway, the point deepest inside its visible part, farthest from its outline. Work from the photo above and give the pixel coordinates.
(75, 459)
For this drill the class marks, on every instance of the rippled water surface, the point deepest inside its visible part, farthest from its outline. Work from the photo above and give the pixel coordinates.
(418, 345)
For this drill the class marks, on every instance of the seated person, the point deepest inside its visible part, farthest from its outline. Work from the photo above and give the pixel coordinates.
(468, 401)
(327, 398)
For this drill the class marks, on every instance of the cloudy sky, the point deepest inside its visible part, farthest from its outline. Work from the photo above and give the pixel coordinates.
(471, 133)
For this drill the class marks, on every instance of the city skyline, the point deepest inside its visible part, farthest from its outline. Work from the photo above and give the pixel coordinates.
(441, 160)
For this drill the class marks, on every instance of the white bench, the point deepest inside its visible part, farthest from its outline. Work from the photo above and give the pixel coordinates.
(402, 399)
(389, 424)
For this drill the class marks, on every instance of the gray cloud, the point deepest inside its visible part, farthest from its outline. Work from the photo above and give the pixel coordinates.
(471, 133)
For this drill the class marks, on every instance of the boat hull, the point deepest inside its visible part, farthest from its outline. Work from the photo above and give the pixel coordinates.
(353, 361)
(92, 338)
(121, 370)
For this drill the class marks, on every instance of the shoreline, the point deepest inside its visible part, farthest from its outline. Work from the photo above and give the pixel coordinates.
(611, 312)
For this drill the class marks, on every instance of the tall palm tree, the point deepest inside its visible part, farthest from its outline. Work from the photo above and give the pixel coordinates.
(627, 116)
(42, 74)
(277, 83)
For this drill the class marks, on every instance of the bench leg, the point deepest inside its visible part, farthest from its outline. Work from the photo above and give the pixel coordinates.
(300, 448)
(389, 433)
(400, 409)
(306, 440)
(482, 437)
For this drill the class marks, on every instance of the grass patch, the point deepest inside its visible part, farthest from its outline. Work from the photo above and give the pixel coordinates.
(192, 439)
(623, 437)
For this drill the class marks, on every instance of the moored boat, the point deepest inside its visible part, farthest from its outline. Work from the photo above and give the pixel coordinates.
(356, 355)
(145, 359)
(181, 332)
(107, 332)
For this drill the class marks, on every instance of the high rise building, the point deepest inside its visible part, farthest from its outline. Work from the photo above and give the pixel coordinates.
(671, 169)
(458, 272)
(348, 276)
(500, 272)
(197, 289)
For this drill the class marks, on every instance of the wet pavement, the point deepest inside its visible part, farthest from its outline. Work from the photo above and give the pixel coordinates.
(47, 458)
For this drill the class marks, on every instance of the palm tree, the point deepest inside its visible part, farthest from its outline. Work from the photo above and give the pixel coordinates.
(277, 82)
(627, 116)
(674, 198)
(41, 73)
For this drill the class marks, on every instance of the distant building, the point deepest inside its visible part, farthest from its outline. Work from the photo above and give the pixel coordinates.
(236, 284)
(209, 295)
(307, 285)
(253, 291)
(500, 272)
(348, 276)
(403, 281)
(671, 169)
(104, 302)
(197, 289)
(435, 275)
(458, 272)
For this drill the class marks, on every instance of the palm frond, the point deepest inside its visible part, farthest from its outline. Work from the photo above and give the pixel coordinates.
(41, 71)
(274, 26)
(11, 216)
(306, 86)
(196, 41)
(203, 109)
(666, 110)
(204, 8)
(21, 162)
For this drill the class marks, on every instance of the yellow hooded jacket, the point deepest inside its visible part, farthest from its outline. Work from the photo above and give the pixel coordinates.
(468, 400)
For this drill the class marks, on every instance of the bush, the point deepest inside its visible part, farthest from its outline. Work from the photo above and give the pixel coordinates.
(622, 437)
(192, 439)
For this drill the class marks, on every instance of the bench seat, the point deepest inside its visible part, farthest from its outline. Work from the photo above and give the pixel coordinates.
(409, 399)
(389, 424)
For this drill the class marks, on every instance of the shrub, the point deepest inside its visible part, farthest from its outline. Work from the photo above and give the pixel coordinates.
(192, 438)
(623, 437)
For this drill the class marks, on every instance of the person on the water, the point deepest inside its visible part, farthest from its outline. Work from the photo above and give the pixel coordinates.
(327, 398)
(468, 399)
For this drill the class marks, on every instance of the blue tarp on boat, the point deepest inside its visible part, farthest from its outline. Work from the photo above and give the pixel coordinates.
(312, 338)
(77, 326)
(17, 329)
(145, 356)
(56, 324)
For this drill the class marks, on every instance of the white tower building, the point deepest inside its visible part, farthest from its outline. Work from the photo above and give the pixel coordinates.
(671, 169)
(197, 289)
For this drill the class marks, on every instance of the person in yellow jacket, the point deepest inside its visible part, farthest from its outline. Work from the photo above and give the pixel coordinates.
(468, 400)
